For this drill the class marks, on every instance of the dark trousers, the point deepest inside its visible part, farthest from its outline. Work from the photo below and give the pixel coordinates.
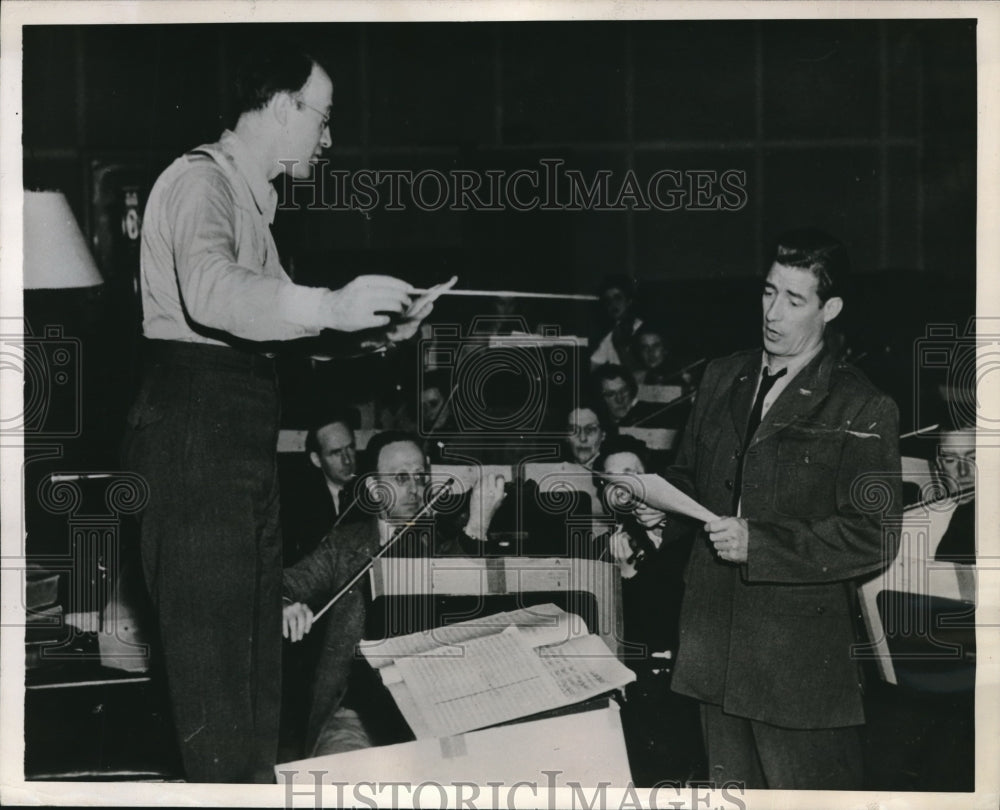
(203, 433)
(762, 756)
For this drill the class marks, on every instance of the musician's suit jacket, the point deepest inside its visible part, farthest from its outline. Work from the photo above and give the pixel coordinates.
(307, 512)
(770, 639)
(313, 580)
(320, 574)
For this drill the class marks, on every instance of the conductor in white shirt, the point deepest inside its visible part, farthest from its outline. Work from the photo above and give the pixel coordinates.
(216, 305)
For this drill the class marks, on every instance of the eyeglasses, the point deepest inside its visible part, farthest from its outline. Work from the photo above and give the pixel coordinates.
(324, 116)
(616, 393)
(401, 479)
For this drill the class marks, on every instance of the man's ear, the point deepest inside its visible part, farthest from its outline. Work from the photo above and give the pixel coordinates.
(377, 492)
(280, 107)
(832, 307)
(314, 458)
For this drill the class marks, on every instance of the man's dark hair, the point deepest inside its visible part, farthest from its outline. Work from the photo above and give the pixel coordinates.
(264, 75)
(649, 328)
(612, 371)
(822, 254)
(618, 281)
(380, 441)
(953, 417)
(343, 415)
(623, 443)
(599, 409)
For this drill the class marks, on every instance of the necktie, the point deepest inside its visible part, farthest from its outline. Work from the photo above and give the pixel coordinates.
(767, 382)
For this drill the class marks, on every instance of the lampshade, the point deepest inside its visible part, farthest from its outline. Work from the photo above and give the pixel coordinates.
(55, 253)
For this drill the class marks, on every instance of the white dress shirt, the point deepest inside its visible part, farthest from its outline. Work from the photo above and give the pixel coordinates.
(208, 262)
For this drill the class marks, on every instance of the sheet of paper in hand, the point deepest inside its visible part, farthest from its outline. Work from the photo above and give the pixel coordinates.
(659, 494)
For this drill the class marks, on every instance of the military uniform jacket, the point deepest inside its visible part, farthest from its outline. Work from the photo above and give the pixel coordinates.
(771, 639)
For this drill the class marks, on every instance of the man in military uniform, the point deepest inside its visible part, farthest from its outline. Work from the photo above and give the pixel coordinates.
(798, 453)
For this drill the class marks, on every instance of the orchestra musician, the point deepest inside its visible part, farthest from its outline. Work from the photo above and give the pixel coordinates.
(397, 483)
(618, 296)
(615, 386)
(955, 469)
(650, 349)
(585, 434)
(309, 509)
(652, 583)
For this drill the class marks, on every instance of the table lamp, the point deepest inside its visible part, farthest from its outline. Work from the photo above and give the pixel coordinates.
(56, 256)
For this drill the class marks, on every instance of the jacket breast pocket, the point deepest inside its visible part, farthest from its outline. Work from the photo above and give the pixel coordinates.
(806, 474)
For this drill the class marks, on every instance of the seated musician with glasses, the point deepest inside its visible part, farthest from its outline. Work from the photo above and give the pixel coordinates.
(616, 387)
(398, 485)
(585, 433)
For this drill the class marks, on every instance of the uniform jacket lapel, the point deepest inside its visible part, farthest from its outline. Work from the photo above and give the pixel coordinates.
(802, 396)
(742, 392)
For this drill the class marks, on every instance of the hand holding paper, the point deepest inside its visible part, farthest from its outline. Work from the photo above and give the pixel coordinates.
(730, 537)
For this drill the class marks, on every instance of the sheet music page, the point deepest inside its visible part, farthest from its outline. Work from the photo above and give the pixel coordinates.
(658, 493)
(442, 641)
(545, 625)
(540, 625)
(498, 678)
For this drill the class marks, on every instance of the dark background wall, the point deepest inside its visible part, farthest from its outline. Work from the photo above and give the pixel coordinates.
(864, 127)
